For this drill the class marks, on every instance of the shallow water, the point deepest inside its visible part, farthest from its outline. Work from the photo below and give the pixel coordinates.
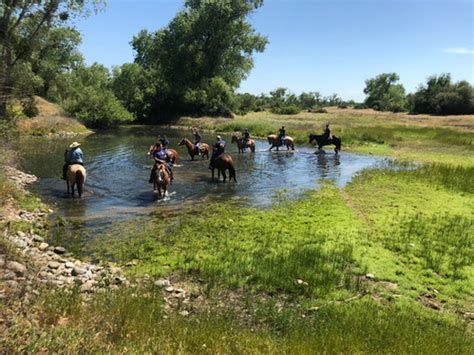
(118, 170)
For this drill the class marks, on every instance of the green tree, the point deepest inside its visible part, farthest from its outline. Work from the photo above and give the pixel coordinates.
(384, 94)
(133, 86)
(202, 55)
(91, 100)
(22, 24)
(441, 97)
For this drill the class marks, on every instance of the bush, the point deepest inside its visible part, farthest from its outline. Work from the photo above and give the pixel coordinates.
(286, 110)
(359, 106)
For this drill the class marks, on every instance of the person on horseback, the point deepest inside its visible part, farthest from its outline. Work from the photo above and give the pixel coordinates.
(164, 141)
(219, 148)
(327, 133)
(159, 155)
(73, 155)
(197, 139)
(245, 138)
(281, 135)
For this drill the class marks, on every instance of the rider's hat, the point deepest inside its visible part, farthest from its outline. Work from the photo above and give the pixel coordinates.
(74, 145)
(219, 137)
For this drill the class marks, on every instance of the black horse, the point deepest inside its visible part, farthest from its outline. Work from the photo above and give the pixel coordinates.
(321, 141)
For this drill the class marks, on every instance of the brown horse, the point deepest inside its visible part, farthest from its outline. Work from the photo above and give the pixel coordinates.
(222, 163)
(274, 141)
(76, 175)
(161, 180)
(171, 154)
(240, 147)
(203, 149)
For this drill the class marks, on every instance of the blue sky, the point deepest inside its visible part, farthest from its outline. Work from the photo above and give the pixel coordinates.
(317, 45)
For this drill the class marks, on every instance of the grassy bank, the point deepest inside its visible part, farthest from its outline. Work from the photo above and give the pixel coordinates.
(447, 139)
(382, 265)
(51, 120)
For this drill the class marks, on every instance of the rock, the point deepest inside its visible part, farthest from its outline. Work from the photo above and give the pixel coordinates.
(53, 264)
(370, 276)
(21, 234)
(16, 267)
(9, 275)
(162, 283)
(87, 287)
(169, 289)
(11, 284)
(69, 265)
(59, 250)
(301, 282)
(184, 313)
(37, 238)
(77, 270)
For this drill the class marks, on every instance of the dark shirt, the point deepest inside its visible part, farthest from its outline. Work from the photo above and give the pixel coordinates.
(327, 133)
(282, 132)
(197, 138)
(219, 147)
(246, 136)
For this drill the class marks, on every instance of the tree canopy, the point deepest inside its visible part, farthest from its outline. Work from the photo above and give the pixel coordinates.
(201, 57)
(384, 94)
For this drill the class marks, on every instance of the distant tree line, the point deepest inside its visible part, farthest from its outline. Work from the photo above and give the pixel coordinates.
(193, 66)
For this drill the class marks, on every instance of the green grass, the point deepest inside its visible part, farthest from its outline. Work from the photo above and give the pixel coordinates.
(135, 321)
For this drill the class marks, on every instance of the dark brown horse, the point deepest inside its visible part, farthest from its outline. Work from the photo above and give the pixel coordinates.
(240, 144)
(274, 141)
(203, 149)
(161, 180)
(222, 163)
(321, 142)
(76, 175)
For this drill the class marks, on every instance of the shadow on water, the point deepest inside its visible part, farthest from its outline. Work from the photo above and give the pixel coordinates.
(118, 170)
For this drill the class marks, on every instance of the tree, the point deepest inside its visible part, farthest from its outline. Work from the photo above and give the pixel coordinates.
(91, 100)
(384, 94)
(133, 86)
(22, 23)
(206, 48)
(441, 97)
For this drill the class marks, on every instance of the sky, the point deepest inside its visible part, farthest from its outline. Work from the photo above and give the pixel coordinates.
(330, 46)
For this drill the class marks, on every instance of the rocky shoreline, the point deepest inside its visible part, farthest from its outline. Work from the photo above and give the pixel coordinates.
(28, 264)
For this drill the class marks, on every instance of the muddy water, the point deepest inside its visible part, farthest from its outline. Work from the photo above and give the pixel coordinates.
(118, 170)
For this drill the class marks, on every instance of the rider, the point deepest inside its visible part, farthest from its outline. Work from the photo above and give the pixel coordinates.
(73, 155)
(327, 133)
(197, 139)
(281, 135)
(219, 148)
(163, 140)
(245, 138)
(159, 155)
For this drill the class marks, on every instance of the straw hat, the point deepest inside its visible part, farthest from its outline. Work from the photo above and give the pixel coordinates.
(74, 145)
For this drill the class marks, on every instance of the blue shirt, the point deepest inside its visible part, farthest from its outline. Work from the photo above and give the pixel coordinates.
(220, 147)
(75, 156)
(160, 154)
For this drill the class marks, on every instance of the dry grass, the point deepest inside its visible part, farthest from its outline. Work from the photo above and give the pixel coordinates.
(52, 119)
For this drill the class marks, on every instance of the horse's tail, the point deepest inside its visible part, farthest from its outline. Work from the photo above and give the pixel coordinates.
(232, 173)
(252, 148)
(79, 182)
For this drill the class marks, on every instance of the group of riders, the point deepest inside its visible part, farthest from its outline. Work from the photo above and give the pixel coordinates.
(159, 152)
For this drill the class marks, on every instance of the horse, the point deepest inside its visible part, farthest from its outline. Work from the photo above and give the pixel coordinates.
(161, 179)
(321, 142)
(171, 154)
(222, 163)
(274, 140)
(239, 142)
(76, 175)
(203, 148)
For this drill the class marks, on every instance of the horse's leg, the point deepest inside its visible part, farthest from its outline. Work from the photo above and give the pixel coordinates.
(72, 189)
(68, 188)
(218, 174)
(224, 175)
(212, 174)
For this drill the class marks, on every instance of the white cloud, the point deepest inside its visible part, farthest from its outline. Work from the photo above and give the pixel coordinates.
(459, 50)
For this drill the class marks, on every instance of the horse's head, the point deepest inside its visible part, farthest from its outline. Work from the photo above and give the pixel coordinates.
(312, 137)
(337, 142)
(234, 138)
(183, 141)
